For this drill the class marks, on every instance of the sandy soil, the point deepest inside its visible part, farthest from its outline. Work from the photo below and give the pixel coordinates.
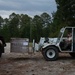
(35, 64)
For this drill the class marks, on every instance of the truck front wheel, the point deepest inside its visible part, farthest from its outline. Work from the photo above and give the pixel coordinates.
(50, 53)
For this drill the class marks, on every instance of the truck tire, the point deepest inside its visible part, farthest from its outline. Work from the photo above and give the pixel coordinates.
(0, 55)
(50, 53)
(72, 55)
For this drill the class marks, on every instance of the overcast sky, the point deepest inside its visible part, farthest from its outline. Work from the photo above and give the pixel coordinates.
(30, 7)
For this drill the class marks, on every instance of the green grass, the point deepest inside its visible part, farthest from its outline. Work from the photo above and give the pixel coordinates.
(30, 44)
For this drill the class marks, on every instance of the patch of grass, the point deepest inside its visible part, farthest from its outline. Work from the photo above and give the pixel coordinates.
(30, 44)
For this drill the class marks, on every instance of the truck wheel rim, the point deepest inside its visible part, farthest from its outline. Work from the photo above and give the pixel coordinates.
(50, 53)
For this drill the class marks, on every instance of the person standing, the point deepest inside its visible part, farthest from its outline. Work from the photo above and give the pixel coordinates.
(2, 45)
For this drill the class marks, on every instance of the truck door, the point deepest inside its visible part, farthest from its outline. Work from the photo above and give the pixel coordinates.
(66, 43)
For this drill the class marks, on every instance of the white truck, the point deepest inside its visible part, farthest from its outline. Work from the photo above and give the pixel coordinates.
(50, 49)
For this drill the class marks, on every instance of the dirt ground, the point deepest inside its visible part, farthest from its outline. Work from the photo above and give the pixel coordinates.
(35, 64)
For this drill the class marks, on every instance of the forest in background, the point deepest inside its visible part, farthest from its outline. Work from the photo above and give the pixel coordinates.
(44, 25)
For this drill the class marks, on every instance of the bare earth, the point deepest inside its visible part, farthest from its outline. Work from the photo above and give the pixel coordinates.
(35, 64)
